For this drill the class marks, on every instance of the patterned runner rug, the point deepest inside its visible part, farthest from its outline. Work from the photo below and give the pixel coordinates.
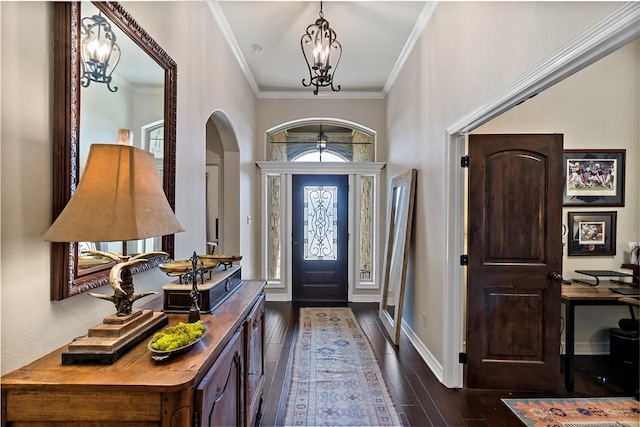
(587, 412)
(335, 378)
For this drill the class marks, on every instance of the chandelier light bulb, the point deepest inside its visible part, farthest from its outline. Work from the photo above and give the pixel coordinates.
(319, 55)
(99, 52)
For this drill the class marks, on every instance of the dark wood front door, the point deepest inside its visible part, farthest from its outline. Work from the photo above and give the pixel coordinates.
(320, 237)
(514, 247)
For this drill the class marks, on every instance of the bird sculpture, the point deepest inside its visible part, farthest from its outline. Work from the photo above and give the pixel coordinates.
(121, 280)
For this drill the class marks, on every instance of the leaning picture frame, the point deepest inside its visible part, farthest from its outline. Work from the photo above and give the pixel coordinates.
(594, 178)
(592, 233)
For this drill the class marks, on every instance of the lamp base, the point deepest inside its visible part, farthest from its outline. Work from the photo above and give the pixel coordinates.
(106, 343)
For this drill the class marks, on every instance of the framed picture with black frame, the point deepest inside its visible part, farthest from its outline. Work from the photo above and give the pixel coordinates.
(594, 178)
(592, 233)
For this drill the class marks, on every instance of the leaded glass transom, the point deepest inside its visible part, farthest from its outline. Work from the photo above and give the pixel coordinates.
(320, 222)
(301, 142)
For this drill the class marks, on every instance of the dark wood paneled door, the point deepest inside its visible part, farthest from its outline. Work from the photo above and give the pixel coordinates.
(515, 249)
(320, 237)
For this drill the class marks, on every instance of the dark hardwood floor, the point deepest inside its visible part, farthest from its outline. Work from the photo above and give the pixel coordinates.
(420, 398)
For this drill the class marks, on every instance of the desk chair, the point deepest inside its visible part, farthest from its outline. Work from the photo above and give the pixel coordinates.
(624, 349)
(631, 324)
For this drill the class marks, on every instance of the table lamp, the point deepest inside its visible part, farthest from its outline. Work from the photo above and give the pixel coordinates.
(119, 198)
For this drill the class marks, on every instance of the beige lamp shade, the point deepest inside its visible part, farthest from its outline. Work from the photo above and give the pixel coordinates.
(119, 198)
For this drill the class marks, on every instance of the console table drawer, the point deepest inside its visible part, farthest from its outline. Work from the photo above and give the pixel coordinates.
(87, 405)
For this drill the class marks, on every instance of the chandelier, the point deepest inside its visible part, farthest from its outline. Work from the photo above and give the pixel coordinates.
(321, 142)
(317, 44)
(99, 50)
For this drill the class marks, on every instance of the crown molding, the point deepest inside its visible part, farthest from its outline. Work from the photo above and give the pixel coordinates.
(308, 94)
(417, 31)
(216, 11)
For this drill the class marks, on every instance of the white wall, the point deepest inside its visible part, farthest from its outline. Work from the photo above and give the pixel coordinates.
(596, 108)
(103, 113)
(208, 79)
(469, 52)
(100, 120)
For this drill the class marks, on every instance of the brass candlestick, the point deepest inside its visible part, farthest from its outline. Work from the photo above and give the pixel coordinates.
(193, 273)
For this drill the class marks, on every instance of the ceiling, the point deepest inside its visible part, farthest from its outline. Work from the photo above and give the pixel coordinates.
(376, 37)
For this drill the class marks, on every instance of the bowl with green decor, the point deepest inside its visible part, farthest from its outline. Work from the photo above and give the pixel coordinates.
(176, 339)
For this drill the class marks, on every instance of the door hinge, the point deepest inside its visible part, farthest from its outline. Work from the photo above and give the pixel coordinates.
(464, 161)
(464, 259)
(462, 358)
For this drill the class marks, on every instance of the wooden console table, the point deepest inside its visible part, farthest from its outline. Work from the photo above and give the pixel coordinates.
(218, 382)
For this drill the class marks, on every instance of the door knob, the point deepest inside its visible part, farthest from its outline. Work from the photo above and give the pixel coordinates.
(555, 276)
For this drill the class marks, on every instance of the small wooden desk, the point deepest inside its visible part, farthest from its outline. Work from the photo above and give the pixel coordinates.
(577, 294)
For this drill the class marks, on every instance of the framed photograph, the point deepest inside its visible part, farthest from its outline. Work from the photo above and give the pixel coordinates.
(594, 177)
(592, 233)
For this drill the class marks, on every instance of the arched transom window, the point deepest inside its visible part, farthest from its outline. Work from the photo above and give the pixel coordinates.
(321, 140)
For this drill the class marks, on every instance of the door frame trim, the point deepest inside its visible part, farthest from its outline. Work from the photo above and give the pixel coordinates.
(615, 31)
(282, 290)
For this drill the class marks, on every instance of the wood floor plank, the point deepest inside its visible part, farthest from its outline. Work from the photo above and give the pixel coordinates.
(459, 400)
(477, 423)
(493, 411)
(414, 415)
(426, 400)
(399, 386)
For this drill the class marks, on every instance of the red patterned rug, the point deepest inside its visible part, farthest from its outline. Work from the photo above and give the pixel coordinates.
(335, 378)
(588, 412)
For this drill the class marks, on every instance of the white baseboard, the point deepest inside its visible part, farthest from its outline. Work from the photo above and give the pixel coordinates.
(365, 298)
(356, 298)
(589, 348)
(277, 297)
(424, 352)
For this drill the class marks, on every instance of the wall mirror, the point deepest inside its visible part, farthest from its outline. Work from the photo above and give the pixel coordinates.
(145, 103)
(400, 220)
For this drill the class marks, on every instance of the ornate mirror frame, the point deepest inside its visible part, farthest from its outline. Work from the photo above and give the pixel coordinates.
(401, 202)
(65, 281)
